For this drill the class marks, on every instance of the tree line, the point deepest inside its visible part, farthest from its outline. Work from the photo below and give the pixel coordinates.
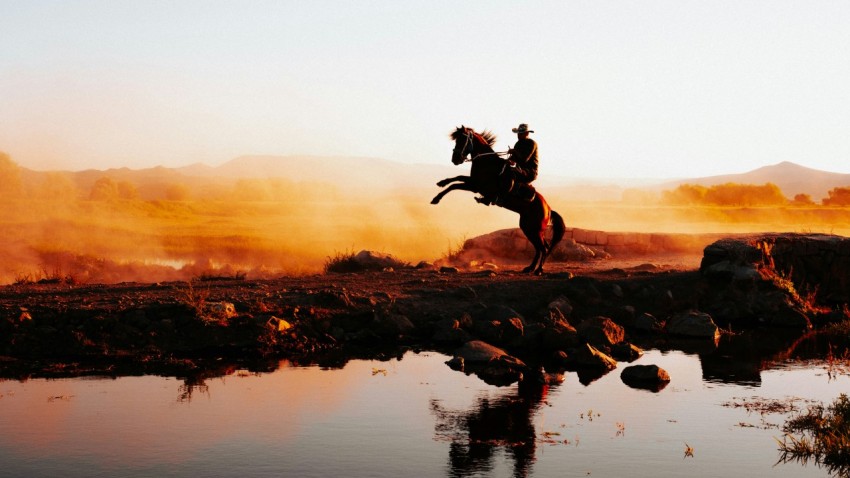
(736, 194)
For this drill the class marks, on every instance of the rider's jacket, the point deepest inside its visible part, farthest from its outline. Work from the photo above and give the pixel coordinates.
(525, 157)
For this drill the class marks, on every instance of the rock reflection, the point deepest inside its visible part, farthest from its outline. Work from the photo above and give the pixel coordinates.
(504, 423)
(190, 386)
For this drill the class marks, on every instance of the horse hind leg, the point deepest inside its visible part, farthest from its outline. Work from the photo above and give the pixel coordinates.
(540, 253)
(534, 263)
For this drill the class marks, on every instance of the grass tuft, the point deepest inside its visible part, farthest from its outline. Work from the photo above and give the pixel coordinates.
(821, 434)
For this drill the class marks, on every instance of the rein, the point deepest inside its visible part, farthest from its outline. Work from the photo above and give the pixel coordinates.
(494, 153)
(469, 135)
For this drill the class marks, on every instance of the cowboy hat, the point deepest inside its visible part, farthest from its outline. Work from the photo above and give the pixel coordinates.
(522, 128)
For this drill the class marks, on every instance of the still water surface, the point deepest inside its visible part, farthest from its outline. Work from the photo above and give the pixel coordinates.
(409, 417)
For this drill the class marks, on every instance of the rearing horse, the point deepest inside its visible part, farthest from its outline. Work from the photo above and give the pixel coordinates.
(483, 179)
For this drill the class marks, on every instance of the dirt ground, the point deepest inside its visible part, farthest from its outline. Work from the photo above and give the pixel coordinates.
(418, 287)
(59, 329)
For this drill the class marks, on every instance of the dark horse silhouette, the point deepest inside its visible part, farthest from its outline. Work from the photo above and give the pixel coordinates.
(484, 179)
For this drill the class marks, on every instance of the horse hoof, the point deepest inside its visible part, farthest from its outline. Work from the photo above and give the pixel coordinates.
(527, 270)
(442, 183)
(435, 201)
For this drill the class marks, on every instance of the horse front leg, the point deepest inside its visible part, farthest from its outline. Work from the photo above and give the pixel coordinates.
(445, 182)
(453, 187)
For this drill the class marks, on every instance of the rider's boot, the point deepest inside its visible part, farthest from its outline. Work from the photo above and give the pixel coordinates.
(487, 200)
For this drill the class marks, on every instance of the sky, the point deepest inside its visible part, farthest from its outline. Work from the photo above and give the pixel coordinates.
(620, 89)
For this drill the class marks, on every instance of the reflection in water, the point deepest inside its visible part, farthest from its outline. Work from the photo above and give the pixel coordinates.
(190, 386)
(741, 358)
(505, 423)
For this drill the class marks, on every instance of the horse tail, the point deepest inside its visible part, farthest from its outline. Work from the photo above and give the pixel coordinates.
(559, 228)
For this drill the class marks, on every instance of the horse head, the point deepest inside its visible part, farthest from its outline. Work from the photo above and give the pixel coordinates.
(469, 143)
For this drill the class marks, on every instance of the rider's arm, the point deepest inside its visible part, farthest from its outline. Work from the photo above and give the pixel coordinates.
(526, 163)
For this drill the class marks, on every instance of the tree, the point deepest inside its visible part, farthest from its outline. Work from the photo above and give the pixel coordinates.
(837, 197)
(735, 194)
(728, 194)
(104, 189)
(685, 194)
(803, 200)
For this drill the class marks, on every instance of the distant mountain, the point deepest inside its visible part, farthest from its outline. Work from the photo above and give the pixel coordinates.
(382, 175)
(791, 178)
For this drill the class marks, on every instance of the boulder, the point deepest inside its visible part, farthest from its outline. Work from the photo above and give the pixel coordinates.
(587, 356)
(648, 323)
(450, 331)
(693, 324)
(649, 377)
(626, 352)
(562, 305)
(491, 364)
(559, 336)
(390, 324)
(480, 352)
(600, 332)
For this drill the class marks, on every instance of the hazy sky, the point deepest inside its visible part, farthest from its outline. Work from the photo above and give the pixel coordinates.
(623, 89)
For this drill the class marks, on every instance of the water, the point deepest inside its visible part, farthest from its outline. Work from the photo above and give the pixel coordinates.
(409, 417)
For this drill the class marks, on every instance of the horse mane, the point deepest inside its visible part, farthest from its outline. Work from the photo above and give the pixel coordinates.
(487, 136)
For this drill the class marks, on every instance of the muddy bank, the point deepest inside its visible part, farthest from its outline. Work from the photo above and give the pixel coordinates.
(580, 316)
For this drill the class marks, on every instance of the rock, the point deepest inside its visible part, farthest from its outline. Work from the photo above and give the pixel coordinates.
(559, 336)
(488, 330)
(560, 359)
(480, 352)
(617, 291)
(450, 331)
(371, 260)
(649, 377)
(449, 270)
(693, 324)
(648, 323)
(502, 313)
(499, 375)
(562, 305)
(221, 310)
(393, 324)
(491, 364)
(587, 356)
(600, 332)
(626, 352)
(277, 324)
(425, 265)
(456, 363)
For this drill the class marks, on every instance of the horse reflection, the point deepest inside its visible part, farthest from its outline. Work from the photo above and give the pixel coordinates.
(504, 423)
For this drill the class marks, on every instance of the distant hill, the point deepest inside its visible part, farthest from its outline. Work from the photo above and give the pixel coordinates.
(383, 175)
(791, 178)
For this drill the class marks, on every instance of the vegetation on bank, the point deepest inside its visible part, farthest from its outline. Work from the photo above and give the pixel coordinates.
(822, 434)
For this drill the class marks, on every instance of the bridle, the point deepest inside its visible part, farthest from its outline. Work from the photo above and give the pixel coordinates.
(471, 146)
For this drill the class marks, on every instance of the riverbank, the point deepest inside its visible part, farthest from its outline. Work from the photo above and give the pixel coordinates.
(179, 328)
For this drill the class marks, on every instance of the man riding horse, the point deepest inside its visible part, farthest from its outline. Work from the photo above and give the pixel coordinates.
(517, 179)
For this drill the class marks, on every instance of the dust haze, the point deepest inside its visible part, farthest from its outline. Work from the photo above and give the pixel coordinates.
(151, 226)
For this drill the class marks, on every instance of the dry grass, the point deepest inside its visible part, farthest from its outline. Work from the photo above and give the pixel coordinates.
(821, 434)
